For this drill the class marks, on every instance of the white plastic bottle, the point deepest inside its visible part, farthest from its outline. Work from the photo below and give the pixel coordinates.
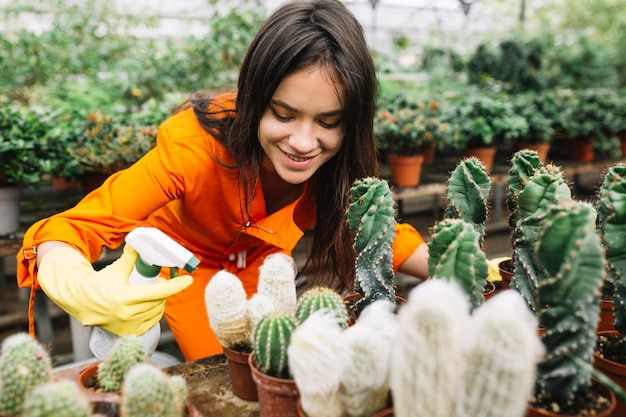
(155, 250)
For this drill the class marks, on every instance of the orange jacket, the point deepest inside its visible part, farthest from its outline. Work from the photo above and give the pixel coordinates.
(181, 189)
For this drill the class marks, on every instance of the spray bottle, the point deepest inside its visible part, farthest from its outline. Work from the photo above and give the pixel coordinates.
(155, 250)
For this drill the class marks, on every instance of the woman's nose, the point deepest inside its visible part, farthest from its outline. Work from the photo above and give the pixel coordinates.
(303, 138)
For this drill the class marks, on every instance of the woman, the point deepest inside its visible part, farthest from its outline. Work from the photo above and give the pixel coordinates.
(233, 178)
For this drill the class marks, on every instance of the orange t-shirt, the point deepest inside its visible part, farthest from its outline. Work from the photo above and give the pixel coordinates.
(180, 188)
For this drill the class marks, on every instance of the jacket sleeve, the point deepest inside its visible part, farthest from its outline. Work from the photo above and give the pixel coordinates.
(406, 242)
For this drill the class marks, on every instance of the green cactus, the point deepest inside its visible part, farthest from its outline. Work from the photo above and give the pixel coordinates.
(322, 298)
(571, 253)
(524, 164)
(455, 254)
(127, 352)
(545, 188)
(467, 194)
(611, 227)
(271, 340)
(60, 398)
(149, 392)
(24, 364)
(371, 217)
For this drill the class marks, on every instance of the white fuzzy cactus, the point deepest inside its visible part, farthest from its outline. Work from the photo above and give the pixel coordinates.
(365, 381)
(501, 359)
(427, 358)
(257, 306)
(317, 355)
(277, 280)
(226, 305)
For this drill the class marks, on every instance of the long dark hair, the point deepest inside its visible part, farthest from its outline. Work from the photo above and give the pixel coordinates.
(298, 35)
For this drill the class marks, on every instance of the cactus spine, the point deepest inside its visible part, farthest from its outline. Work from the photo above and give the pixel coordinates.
(24, 364)
(148, 392)
(574, 261)
(277, 280)
(322, 298)
(127, 352)
(455, 254)
(60, 398)
(226, 305)
(271, 340)
(371, 217)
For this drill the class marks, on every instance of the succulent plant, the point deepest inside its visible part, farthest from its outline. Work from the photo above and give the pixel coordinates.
(149, 392)
(524, 164)
(371, 217)
(322, 298)
(277, 280)
(226, 305)
(24, 364)
(127, 352)
(467, 194)
(61, 398)
(256, 307)
(572, 256)
(455, 254)
(271, 340)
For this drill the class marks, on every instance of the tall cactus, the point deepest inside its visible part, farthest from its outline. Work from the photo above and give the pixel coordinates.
(57, 398)
(571, 253)
(127, 352)
(371, 217)
(277, 280)
(322, 298)
(271, 340)
(467, 194)
(524, 164)
(455, 254)
(24, 364)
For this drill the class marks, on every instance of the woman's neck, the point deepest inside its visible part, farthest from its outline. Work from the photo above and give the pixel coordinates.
(277, 192)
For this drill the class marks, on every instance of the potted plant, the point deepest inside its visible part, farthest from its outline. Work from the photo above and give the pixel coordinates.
(538, 111)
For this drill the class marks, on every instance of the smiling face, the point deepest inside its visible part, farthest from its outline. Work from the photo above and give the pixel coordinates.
(302, 127)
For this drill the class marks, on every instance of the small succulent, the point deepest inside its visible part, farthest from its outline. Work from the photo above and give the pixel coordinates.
(277, 281)
(271, 340)
(322, 298)
(524, 164)
(127, 352)
(61, 398)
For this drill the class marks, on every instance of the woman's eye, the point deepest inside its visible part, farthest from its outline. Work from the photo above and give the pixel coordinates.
(330, 124)
(280, 117)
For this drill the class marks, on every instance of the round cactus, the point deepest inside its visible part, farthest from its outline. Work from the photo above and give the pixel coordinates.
(60, 398)
(271, 340)
(24, 364)
(149, 392)
(322, 298)
(127, 352)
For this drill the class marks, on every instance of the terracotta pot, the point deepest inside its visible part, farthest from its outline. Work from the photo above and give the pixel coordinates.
(429, 153)
(349, 300)
(490, 290)
(64, 184)
(581, 150)
(105, 403)
(622, 140)
(506, 272)
(486, 154)
(614, 370)
(538, 412)
(387, 412)
(542, 148)
(607, 317)
(243, 385)
(278, 397)
(406, 171)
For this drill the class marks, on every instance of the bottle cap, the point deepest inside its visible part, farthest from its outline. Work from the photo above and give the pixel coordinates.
(147, 270)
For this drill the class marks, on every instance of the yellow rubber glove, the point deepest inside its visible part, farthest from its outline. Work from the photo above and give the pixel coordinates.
(494, 269)
(104, 298)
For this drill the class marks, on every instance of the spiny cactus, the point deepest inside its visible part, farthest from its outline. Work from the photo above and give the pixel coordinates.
(322, 298)
(149, 392)
(127, 352)
(571, 254)
(256, 307)
(24, 364)
(226, 305)
(455, 254)
(467, 194)
(611, 227)
(271, 340)
(277, 280)
(524, 164)
(371, 217)
(317, 357)
(60, 398)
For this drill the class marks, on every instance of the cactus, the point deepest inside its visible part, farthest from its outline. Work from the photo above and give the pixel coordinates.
(426, 359)
(524, 164)
(317, 357)
(271, 340)
(503, 350)
(277, 280)
(149, 392)
(24, 364)
(127, 352)
(60, 398)
(322, 298)
(571, 254)
(371, 217)
(455, 254)
(226, 305)
(611, 227)
(256, 307)
(467, 194)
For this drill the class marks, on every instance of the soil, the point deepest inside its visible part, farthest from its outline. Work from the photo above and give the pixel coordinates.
(607, 347)
(588, 404)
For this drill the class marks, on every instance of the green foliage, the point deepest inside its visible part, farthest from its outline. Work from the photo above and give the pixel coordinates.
(539, 115)
(322, 298)
(271, 340)
(61, 398)
(127, 352)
